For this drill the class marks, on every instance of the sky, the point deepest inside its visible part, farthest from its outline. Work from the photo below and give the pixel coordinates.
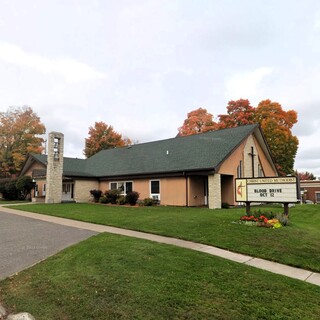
(141, 66)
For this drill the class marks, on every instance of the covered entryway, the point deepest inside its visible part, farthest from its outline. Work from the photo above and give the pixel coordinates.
(67, 191)
(227, 189)
(198, 190)
(221, 190)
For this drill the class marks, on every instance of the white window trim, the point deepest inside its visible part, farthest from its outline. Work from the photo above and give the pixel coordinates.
(123, 193)
(155, 196)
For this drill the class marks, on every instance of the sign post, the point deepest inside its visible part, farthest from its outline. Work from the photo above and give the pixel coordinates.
(273, 190)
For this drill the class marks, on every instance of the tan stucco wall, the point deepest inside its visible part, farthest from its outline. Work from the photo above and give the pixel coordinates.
(264, 162)
(82, 190)
(229, 166)
(35, 165)
(39, 181)
(172, 190)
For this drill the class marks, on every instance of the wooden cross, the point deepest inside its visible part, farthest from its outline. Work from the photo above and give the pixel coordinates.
(252, 160)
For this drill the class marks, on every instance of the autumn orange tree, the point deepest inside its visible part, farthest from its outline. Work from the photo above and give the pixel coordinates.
(101, 137)
(197, 121)
(275, 122)
(239, 112)
(20, 134)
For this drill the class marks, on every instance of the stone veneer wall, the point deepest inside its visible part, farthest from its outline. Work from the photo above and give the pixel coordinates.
(54, 168)
(82, 190)
(214, 186)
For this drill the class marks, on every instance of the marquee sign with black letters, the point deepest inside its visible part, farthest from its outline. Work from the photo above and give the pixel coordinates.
(273, 189)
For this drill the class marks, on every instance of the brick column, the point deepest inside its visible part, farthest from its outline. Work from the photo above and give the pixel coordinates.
(54, 167)
(214, 186)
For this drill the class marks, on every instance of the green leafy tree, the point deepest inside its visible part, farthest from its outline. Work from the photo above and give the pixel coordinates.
(16, 188)
(20, 134)
(24, 185)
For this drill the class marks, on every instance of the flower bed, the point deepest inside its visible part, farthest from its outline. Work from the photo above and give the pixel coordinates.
(268, 220)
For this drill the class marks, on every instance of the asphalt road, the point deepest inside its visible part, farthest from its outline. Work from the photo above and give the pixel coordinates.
(25, 241)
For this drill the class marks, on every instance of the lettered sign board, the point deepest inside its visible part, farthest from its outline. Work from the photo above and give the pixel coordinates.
(277, 189)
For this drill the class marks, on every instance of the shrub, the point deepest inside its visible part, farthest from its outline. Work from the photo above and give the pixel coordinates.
(148, 202)
(16, 189)
(112, 196)
(132, 198)
(269, 214)
(96, 194)
(9, 190)
(283, 219)
(121, 200)
(225, 205)
(24, 186)
(104, 199)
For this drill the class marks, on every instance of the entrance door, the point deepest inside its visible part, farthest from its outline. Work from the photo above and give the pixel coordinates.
(67, 191)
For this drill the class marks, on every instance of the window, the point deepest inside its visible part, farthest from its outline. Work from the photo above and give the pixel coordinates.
(44, 190)
(66, 187)
(123, 186)
(113, 185)
(56, 146)
(128, 187)
(155, 189)
(317, 197)
(260, 171)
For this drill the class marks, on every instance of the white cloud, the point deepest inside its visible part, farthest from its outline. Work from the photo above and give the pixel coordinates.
(71, 70)
(246, 84)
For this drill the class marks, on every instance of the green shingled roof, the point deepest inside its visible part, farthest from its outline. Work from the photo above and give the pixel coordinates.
(204, 151)
(71, 166)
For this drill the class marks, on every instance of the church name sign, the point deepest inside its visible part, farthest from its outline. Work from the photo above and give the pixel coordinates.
(277, 189)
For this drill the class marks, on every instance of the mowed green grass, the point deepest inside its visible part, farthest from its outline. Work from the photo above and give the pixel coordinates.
(297, 245)
(116, 277)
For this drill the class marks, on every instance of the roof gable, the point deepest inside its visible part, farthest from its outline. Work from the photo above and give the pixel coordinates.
(71, 166)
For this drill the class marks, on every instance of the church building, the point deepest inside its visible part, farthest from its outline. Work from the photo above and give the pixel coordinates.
(196, 170)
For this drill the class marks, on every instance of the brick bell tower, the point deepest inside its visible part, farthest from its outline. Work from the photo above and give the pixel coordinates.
(54, 167)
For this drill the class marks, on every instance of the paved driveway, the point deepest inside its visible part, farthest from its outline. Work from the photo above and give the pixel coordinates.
(25, 241)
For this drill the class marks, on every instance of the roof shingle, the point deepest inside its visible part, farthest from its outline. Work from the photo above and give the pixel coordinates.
(205, 151)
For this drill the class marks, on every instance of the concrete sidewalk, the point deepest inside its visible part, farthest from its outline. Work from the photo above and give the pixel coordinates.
(292, 272)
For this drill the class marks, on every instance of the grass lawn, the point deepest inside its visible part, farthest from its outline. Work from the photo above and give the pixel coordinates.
(116, 277)
(296, 245)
